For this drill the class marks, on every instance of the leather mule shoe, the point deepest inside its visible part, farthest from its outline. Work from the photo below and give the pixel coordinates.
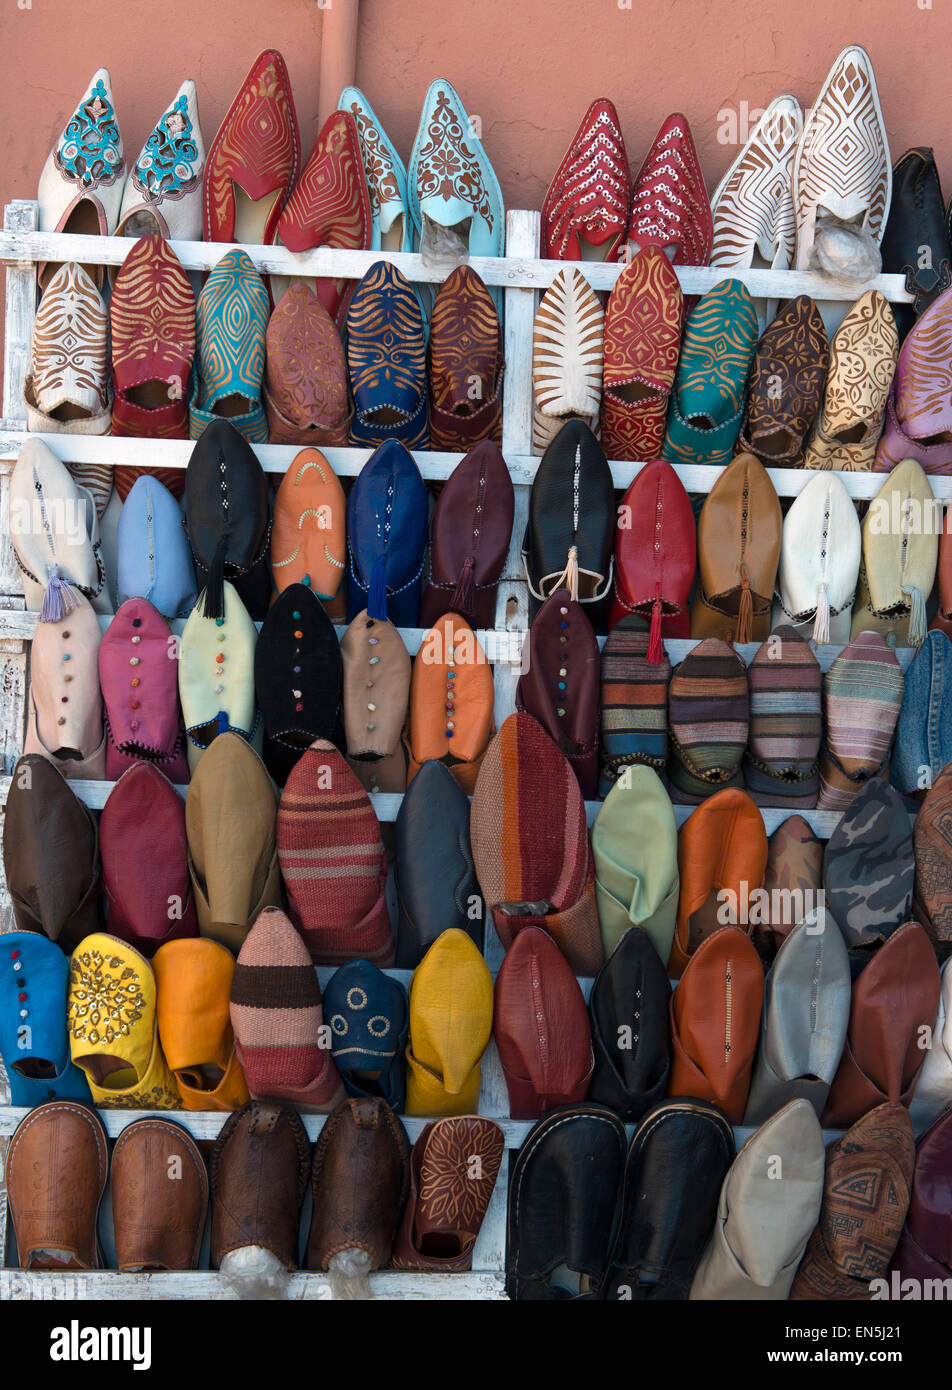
(628, 1007)
(360, 1182)
(763, 1224)
(585, 210)
(55, 1176)
(193, 978)
(386, 175)
(231, 319)
(163, 193)
(67, 390)
(369, 1014)
(669, 203)
(917, 219)
(676, 1164)
(259, 1170)
(786, 384)
(752, 206)
(159, 1197)
(386, 361)
(447, 1204)
(563, 1195)
(567, 353)
(34, 1042)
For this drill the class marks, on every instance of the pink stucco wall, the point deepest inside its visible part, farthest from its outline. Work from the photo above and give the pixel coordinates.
(526, 68)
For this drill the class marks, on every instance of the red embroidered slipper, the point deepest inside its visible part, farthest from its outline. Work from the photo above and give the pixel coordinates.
(643, 325)
(585, 213)
(669, 203)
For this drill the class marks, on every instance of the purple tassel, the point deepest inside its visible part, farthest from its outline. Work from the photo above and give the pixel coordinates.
(377, 594)
(59, 599)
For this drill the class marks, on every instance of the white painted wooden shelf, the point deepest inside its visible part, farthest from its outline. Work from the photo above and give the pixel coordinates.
(523, 276)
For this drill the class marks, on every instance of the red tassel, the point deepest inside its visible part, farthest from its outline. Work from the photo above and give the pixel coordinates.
(464, 595)
(655, 644)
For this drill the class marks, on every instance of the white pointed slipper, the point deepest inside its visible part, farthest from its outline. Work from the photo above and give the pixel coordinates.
(566, 357)
(754, 222)
(67, 391)
(842, 169)
(84, 175)
(163, 193)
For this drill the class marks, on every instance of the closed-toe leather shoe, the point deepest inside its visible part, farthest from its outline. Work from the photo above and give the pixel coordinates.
(842, 169)
(669, 203)
(869, 1172)
(752, 206)
(64, 704)
(898, 570)
(386, 561)
(451, 702)
(470, 531)
(541, 1027)
(806, 1012)
(255, 157)
(721, 846)
(465, 364)
(895, 997)
(33, 1039)
(385, 173)
(50, 854)
(450, 181)
(715, 1022)
(259, 1168)
(862, 696)
(923, 1251)
(923, 748)
(781, 765)
(543, 874)
(227, 519)
(218, 696)
(655, 555)
(67, 390)
(163, 573)
(152, 321)
(786, 384)
(863, 355)
(933, 898)
(917, 219)
(585, 211)
(635, 848)
(369, 1014)
(817, 579)
(145, 861)
(761, 1231)
(309, 531)
(917, 423)
(332, 861)
(451, 1015)
(386, 360)
(792, 883)
(140, 693)
(305, 374)
(231, 320)
(56, 543)
(933, 1089)
(84, 175)
(559, 685)
(677, 1162)
(375, 659)
(708, 721)
(563, 1195)
(230, 814)
(447, 1204)
(159, 1197)
(329, 206)
(869, 866)
(55, 1176)
(738, 548)
(569, 533)
(112, 1027)
(163, 193)
(360, 1182)
(628, 1008)
(278, 1021)
(643, 323)
(633, 725)
(707, 403)
(298, 679)
(194, 978)
(434, 880)
(567, 354)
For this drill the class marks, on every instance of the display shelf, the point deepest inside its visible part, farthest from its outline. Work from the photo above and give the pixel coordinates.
(523, 276)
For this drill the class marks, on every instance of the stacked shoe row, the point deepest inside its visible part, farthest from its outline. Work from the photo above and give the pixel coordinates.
(352, 192)
(157, 365)
(372, 1201)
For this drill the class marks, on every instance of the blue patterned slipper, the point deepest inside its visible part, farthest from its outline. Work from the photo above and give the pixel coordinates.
(232, 318)
(386, 360)
(386, 537)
